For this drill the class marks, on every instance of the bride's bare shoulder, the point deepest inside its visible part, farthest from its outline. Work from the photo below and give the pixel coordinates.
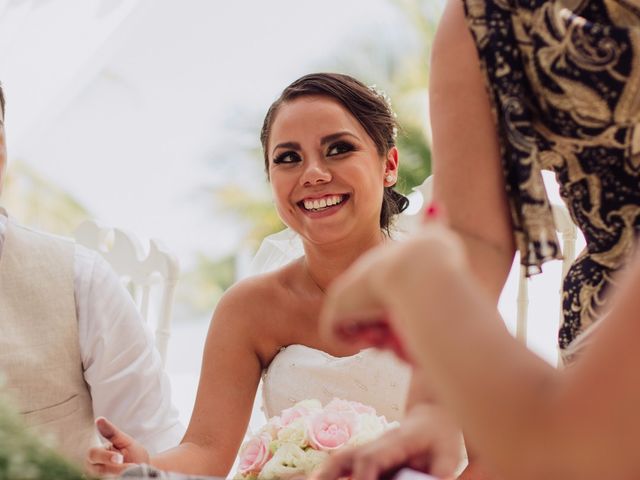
(255, 311)
(260, 293)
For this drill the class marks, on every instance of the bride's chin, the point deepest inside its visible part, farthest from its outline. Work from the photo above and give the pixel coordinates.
(323, 236)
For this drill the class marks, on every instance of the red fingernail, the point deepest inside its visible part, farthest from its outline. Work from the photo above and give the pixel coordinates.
(432, 211)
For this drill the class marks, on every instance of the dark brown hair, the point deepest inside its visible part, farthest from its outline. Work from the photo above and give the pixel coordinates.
(1, 100)
(369, 107)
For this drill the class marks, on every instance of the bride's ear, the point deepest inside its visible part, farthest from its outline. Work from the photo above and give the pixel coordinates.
(391, 167)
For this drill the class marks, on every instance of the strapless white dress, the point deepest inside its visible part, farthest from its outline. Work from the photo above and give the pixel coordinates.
(371, 377)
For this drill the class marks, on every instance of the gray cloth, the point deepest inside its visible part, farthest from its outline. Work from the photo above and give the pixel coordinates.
(146, 471)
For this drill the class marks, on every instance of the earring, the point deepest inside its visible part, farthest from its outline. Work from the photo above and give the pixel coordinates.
(390, 178)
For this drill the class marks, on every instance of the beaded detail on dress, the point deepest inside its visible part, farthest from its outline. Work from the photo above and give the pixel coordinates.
(371, 377)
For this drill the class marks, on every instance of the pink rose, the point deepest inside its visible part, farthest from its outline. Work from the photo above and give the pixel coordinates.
(303, 409)
(339, 405)
(331, 430)
(254, 454)
(290, 414)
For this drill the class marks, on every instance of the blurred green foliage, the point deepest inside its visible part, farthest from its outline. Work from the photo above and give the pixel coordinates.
(26, 456)
(36, 202)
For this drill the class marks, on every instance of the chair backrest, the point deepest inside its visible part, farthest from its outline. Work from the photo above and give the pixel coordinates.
(420, 198)
(569, 233)
(146, 275)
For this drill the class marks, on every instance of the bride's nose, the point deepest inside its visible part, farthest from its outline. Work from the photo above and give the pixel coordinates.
(315, 172)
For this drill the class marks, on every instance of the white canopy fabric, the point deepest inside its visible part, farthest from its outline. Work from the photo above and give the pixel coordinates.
(49, 50)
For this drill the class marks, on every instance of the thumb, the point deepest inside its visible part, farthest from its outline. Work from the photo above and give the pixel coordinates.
(445, 464)
(113, 434)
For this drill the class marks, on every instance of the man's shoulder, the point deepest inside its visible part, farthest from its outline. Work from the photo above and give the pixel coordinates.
(35, 234)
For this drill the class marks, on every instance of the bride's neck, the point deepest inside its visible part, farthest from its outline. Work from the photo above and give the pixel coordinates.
(328, 261)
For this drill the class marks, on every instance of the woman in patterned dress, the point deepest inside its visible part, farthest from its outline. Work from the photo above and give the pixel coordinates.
(563, 84)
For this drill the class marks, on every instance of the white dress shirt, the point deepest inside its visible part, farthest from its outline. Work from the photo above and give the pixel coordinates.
(121, 365)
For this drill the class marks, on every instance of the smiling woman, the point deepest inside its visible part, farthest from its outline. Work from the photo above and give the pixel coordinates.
(365, 112)
(330, 154)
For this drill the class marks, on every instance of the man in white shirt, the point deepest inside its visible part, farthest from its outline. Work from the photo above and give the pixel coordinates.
(72, 344)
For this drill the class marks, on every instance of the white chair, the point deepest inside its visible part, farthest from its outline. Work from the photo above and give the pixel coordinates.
(412, 217)
(569, 233)
(141, 273)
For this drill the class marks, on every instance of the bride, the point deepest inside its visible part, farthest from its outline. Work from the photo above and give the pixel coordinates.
(330, 155)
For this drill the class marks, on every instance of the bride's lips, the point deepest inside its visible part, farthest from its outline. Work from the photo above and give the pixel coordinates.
(323, 211)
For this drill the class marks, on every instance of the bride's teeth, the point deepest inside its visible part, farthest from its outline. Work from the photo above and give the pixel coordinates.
(323, 202)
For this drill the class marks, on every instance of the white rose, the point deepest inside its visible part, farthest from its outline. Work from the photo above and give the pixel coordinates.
(239, 476)
(310, 404)
(288, 461)
(271, 427)
(369, 428)
(295, 433)
(312, 459)
(392, 425)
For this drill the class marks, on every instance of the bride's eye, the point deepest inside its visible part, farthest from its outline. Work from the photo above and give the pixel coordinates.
(339, 148)
(287, 157)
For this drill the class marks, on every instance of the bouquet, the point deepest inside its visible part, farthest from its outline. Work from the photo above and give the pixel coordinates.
(296, 442)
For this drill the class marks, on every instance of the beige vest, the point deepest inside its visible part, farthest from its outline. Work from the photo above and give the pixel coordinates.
(39, 347)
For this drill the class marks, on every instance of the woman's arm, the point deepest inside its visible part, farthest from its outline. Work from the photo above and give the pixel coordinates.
(228, 381)
(468, 178)
(230, 374)
(524, 418)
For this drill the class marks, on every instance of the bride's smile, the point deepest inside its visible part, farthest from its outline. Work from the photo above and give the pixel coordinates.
(326, 173)
(323, 205)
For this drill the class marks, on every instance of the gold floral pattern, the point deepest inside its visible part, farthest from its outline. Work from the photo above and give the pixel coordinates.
(564, 80)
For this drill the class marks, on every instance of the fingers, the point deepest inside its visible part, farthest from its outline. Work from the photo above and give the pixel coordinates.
(352, 303)
(103, 455)
(102, 461)
(336, 466)
(365, 462)
(434, 212)
(425, 442)
(380, 457)
(445, 460)
(355, 313)
(113, 434)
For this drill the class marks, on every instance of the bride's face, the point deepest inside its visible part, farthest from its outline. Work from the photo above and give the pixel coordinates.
(326, 174)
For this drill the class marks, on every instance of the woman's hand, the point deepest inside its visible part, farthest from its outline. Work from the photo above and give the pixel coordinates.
(122, 453)
(391, 294)
(427, 440)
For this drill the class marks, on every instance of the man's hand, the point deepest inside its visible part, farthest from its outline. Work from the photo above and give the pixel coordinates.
(121, 453)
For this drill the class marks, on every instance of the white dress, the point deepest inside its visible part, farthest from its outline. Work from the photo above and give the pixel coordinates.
(371, 377)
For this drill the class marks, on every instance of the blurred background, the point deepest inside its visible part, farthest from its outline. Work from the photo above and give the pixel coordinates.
(145, 115)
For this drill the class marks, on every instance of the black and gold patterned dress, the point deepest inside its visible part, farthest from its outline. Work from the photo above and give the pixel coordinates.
(564, 80)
